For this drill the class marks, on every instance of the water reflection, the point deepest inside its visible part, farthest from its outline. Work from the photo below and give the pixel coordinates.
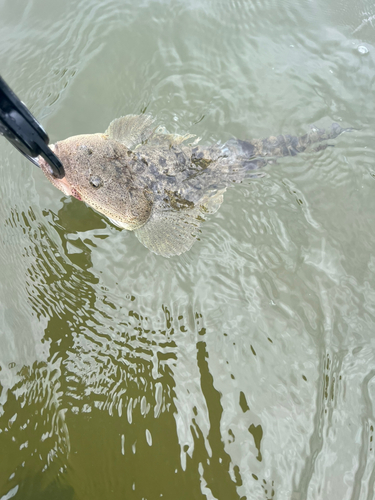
(244, 369)
(136, 388)
(118, 388)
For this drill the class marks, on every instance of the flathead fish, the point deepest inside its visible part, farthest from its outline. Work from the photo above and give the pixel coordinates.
(161, 185)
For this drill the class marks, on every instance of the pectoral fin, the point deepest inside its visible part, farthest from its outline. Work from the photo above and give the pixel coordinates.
(213, 202)
(170, 233)
(131, 130)
(161, 137)
(173, 232)
(134, 130)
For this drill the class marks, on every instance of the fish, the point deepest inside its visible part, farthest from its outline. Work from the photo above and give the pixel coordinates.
(159, 185)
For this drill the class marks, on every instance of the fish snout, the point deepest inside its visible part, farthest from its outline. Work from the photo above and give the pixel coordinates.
(61, 184)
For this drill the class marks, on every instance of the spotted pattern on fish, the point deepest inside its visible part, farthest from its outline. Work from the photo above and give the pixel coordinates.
(159, 184)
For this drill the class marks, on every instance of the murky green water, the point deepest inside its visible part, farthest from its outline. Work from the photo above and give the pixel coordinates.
(244, 369)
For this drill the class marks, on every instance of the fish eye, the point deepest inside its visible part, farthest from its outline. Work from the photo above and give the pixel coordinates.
(95, 181)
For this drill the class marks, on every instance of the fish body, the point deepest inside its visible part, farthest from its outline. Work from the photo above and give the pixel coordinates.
(161, 185)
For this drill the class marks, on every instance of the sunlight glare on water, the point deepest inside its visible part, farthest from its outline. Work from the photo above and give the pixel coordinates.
(243, 369)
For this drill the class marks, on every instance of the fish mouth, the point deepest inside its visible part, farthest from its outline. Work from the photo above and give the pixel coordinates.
(61, 184)
(75, 193)
(66, 188)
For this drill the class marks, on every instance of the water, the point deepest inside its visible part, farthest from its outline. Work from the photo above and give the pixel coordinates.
(244, 369)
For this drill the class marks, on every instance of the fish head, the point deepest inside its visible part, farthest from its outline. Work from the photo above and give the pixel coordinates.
(99, 171)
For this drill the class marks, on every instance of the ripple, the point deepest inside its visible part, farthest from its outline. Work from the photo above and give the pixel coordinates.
(243, 369)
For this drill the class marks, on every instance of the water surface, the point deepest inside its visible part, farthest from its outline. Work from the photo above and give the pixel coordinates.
(245, 368)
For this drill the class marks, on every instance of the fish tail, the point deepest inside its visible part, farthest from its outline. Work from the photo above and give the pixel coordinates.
(283, 145)
(236, 160)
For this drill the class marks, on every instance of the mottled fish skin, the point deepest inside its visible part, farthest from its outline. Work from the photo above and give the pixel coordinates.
(159, 185)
